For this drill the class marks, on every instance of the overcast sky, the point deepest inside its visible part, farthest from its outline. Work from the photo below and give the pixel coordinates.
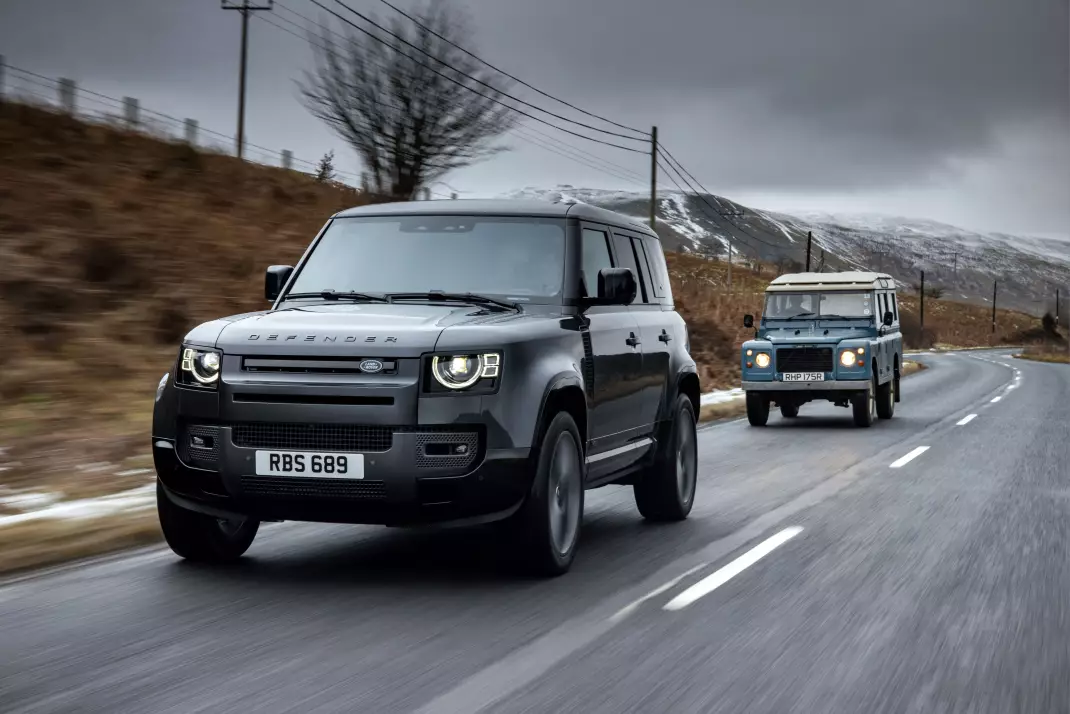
(955, 110)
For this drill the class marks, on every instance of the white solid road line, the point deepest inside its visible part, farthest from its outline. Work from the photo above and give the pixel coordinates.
(966, 420)
(711, 582)
(909, 457)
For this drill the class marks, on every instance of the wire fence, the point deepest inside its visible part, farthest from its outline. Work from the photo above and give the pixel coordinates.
(66, 96)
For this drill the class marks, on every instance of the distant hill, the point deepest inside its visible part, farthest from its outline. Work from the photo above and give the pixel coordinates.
(961, 262)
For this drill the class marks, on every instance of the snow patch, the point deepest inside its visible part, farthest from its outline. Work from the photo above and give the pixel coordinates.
(720, 396)
(29, 500)
(135, 499)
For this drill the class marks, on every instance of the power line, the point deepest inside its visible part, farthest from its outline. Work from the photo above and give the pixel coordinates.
(702, 197)
(422, 51)
(537, 142)
(510, 76)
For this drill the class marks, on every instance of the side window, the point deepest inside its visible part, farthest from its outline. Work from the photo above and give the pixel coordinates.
(659, 272)
(883, 305)
(595, 257)
(895, 307)
(622, 245)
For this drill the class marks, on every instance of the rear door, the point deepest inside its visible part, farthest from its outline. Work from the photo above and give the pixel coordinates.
(653, 327)
(613, 396)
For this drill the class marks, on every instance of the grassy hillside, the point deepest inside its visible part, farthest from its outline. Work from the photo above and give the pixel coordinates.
(114, 244)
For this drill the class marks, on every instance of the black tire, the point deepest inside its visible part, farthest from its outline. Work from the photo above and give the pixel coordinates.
(666, 491)
(201, 538)
(789, 411)
(864, 406)
(547, 526)
(886, 399)
(757, 409)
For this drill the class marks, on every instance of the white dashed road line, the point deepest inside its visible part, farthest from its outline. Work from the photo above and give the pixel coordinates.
(909, 457)
(966, 420)
(633, 606)
(710, 583)
(996, 399)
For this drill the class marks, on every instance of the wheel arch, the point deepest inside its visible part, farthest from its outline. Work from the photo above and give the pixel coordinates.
(564, 393)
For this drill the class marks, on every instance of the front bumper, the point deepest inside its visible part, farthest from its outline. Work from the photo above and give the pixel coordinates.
(402, 484)
(835, 385)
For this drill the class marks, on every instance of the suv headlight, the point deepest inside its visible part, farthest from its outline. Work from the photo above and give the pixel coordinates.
(456, 372)
(849, 357)
(199, 367)
(762, 359)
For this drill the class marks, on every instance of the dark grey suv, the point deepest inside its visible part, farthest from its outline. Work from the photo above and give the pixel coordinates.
(437, 361)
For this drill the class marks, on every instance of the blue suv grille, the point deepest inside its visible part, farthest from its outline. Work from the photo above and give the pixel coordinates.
(804, 359)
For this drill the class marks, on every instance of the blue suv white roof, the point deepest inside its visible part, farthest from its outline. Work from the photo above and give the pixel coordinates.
(857, 280)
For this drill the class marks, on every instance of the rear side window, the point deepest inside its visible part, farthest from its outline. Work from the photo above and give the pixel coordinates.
(626, 259)
(659, 272)
(895, 307)
(595, 257)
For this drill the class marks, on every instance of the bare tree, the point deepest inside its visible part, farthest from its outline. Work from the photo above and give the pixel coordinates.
(409, 117)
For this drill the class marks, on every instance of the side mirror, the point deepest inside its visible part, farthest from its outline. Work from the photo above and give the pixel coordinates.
(748, 321)
(889, 318)
(275, 280)
(616, 286)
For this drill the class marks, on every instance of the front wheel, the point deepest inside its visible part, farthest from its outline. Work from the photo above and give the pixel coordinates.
(547, 526)
(666, 491)
(757, 409)
(202, 538)
(886, 399)
(864, 406)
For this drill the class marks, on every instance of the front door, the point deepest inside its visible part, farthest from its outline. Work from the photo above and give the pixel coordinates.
(614, 399)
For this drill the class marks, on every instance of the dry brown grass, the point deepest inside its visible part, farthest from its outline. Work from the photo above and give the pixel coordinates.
(39, 543)
(1055, 354)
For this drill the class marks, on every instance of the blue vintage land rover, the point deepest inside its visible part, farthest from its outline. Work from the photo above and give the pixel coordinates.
(825, 336)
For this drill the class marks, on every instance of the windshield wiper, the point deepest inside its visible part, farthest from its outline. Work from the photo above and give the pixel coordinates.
(455, 297)
(801, 314)
(333, 295)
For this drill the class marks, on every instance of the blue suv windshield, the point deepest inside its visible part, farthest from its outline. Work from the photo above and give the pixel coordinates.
(833, 303)
(516, 259)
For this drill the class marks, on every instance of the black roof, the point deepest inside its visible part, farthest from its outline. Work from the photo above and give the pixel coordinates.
(499, 207)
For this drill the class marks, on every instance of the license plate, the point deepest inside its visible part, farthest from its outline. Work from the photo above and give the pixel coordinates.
(803, 377)
(309, 463)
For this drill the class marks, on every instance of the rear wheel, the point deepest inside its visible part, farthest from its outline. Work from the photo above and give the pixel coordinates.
(886, 399)
(202, 538)
(547, 526)
(789, 410)
(667, 490)
(757, 409)
(864, 406)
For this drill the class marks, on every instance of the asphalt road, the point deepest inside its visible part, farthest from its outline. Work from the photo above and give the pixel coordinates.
(812, 576)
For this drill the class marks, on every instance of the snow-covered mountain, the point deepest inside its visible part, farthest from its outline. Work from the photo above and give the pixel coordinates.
(961, 262)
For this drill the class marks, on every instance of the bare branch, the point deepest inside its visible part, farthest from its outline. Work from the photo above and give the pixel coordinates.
(411, 119)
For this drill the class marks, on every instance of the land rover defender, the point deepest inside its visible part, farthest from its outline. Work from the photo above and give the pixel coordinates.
(825, 336)
(436, 361)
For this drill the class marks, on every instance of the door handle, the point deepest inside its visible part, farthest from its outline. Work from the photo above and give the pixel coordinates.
(664, 336)
(633, 340)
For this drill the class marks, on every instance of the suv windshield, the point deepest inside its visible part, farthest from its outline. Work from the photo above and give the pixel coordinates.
(836, 303)
(517, 259)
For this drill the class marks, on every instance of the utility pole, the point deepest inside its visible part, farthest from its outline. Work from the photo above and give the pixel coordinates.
(955, 270)
(922, 300)
(729, 265)
(809, 240)
(244, 8)
(994, 284)
(653, 176)
(1056, 307)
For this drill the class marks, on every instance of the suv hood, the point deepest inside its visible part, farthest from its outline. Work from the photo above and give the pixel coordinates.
(337, 329)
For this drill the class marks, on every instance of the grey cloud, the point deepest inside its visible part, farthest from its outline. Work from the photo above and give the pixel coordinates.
(835, 97)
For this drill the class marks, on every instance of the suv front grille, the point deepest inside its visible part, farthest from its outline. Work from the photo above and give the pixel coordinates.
(314, 437)
(330, 488)
(804, 359)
